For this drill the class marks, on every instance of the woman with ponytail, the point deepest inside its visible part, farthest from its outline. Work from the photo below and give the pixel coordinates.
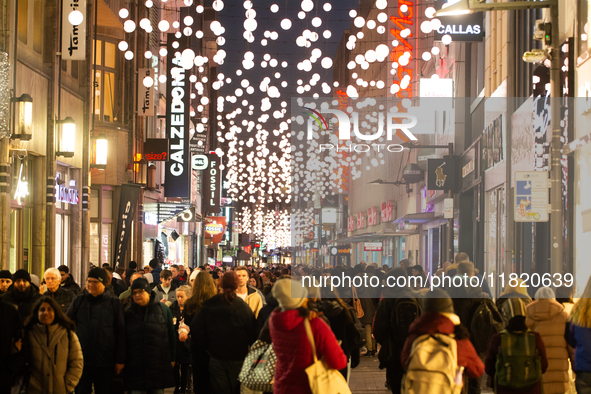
(224, 327)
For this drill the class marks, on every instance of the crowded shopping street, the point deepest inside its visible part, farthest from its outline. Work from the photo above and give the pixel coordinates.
(295, 197)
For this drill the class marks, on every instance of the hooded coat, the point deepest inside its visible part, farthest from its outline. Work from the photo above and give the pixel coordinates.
(55, 359)
(548, 318)
(294, 353)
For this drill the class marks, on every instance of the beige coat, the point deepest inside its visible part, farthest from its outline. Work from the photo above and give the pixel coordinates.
(254, 301)
(548, 318)
(55, 361)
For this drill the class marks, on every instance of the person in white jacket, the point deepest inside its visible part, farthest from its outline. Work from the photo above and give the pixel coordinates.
(52, 350)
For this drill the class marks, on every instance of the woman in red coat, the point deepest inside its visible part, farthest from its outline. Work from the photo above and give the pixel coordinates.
(290, 341)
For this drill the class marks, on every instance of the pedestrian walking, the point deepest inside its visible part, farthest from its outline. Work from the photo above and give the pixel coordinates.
(53, 289)
(165, 291)
(225, 327)
(22, 293)
(547, 317)
(520, 374)
(52, 349)
(203, 290)
(369, 297)
(100, 328)
(249, 294)
(150, 340)
(514, 289)
(68, 282)
(181, 326)
(580, 339)
(290, 340)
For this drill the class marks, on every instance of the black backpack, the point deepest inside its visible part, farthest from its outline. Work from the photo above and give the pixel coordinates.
(404, 313)
(486, 321)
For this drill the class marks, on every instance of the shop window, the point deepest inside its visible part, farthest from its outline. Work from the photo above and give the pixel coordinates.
(23, 20)
(38, 26)
(94, 203)
(101, 225)
(107, 106)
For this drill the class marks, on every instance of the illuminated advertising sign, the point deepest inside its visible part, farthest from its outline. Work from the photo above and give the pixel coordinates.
(156, 149)
(469, 27)
(178, 168)
(212, 183)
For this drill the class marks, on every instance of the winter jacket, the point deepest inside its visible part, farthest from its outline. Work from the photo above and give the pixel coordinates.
(224, 330)
(466, 300)
(502, 299)
(11, 331)
(346, 329)
(23, 302)
(63, 297)
(580, 339)
(548, 318)
(490, 362)
(69, 284)
(433, 323)
(183, 354)
(254, 300)
(100, 327)
(55, 359)
(294, 353)
(150, 339)
(160, 294)
(265, 312)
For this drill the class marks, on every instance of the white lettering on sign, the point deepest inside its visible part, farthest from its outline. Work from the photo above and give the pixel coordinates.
(459, 29)
(67, 195)
(122, 236)
(177, 119)
(213, 179)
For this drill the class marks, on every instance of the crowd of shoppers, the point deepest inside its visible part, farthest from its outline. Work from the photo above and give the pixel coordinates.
(142, 330)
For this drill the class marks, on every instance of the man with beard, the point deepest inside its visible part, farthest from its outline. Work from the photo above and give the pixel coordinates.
(67, 280)
(22, 293)
(5, 281)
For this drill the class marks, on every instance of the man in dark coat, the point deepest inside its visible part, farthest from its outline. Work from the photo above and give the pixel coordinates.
(67, 280)
(11, 329)
(5, 281)
(22, 293)
(100, 328)
(63, 296)
(150, 340)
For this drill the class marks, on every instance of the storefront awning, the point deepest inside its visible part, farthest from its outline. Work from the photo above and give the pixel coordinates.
(367, 237)
(158, 212)
(416, 218)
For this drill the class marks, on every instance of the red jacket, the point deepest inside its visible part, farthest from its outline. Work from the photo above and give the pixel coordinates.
(294, 353)
(433, 323)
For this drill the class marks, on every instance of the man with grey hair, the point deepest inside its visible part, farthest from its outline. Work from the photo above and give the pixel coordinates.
(53, 289)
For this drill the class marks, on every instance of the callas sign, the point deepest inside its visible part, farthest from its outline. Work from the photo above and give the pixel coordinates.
(469, 27)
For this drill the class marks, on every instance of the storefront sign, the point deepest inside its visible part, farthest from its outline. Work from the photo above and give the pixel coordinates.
(73, 37)
(150, 219)
(199, 162)
(187, 216)
(351, 223)
(492, 143)
(468, 168)
(178, 169)
(440, 87)
(215, 226)
(531, 196)
(441, 174)
(145, 95)
(340, 251)
(468, 27)
(387, 212)
(360, 221)
(372, 216)
(67, 195)
(127, 203)
(470, 164)
(213, 183)
(372, 247)
(448, 208)
(164, 211)
(199, 139)
(156, 149)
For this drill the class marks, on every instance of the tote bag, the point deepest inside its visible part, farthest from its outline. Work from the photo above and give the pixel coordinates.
(258, 370)
(357, 304)
(322, 378)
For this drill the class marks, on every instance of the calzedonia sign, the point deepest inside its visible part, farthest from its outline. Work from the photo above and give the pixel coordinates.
(178, 166)
(469, 27)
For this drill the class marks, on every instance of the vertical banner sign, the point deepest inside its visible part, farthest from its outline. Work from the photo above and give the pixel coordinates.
(73, 37)
(178, 166)
(127, 203)
(145, 96)
(213, 184)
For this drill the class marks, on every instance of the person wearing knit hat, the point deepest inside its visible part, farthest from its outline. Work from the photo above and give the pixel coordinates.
(22, 293)
(289, 294)
(5, 281)
(438, 301)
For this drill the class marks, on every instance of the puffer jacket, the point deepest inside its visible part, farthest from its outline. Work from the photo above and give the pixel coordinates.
(63, 297)
(294, 353)
(69, 284)
(548, 318)
(55, 359)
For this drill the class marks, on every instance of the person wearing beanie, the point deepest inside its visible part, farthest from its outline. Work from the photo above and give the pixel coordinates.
(5, 281)
(22, 293)
(224, 327)
(403, 303)
(68, 282)
(438, 317)
(150, 339)
(290, 339)
(99, 317)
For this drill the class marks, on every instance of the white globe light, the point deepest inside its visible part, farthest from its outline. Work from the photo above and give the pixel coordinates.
(149, 3)
(284, 64)
(249, 56)
(75, 17)
(353, 13)
(250, 25)
(162, 78)
(435, 24)
(129, 55)
(250, 14)
(200, 9)
(381, 4)
(327, 7)
(435, 51)
(218, 5)
(326, 63)
(371, 24)
(199, 34)
(326, 34)
(123, 13)
(426, 27)
(163, 26)
(274, 8)
(426, 56)
(316, 22)
(129, 26)
(382, 50)
(404, 8)
(220, 40)
(446, 39)
(381, 29)
(148, 54)
(370, 56)
(307, 5)
(188, 20)
(316, 52)
(144, 23)
(430, 12)
(359, 22)
(285, 24)
(123, 46)
(301, 14)
(148, 82)
(382, 17)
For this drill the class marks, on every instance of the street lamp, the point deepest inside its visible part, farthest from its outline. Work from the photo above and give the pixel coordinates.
(551, 40)
(21, 109)
(99, 152)
(66, 137)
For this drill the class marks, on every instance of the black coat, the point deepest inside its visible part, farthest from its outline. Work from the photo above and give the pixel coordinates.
(69, 284)
(224, 330)
(11, 330)
(63, 297)
(100, 327)
(183, 353)
(23, 302)
(266, 310)
(346, 328)
(151, 346)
